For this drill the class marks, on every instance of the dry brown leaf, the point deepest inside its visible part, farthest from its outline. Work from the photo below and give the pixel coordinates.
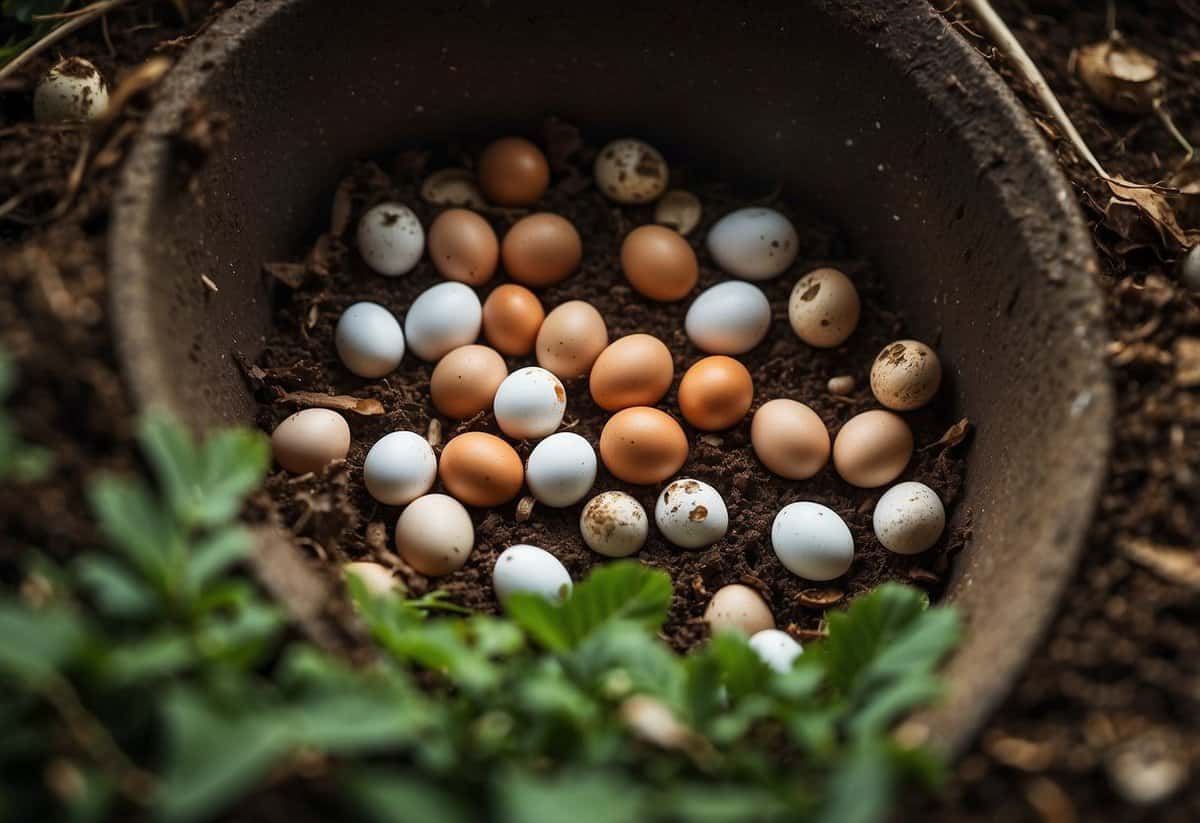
(291, 275)
(1153, 204)
(366, 406)
(821, 599)
(1177, 565)
(1120, 77)
(953, 436)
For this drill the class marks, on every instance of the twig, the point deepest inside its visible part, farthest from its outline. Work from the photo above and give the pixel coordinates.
(1174, 131)
(83, 17)
(1001, 35)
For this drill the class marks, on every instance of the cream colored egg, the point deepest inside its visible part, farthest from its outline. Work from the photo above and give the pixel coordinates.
(824, 308)
(434, 535)
(906, 375)
(738, 608)
(631, 171)
(790, 439)
(310, 440)
(872, 448)
(376, 579)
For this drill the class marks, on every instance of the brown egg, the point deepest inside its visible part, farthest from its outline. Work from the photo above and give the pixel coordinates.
(465, 380)
(513, 172)
(310, 440)
(906, 375)
(643, 445)
(480, 469)
(463, 247)
(512, 315)
(659, 263)
(824, 308)
(634, 371)
(790, 439)
(715, 393)
(739, 608)
(541, 249)
(872, 449)
(570, 339)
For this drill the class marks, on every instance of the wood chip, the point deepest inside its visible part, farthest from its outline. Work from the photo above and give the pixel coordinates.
(1187, 362)
(1174, 564)
(366, 406)
(434, 433)
(209, 284)
(820, 599)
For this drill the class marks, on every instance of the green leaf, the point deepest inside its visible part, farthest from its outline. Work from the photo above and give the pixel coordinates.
(215, 754)
(387, 797)
(876, 714)
(243, 637)
(159, 655)
(37, 643)
(722, 803)
(914, 648)
(860, 791)
(214, 554)
(861, 633)
(115, 589)
(577, 796)
(622, 658)
(624, 590)
(134, 524)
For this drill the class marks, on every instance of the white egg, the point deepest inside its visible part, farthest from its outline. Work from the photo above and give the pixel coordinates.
(614, 524)
(561, 469)
(73, 91)
(530, 403)
(776, 648)
(691, 514)
(909, 518)
(399, 468)
(730, 318)
(442, 318)
(631, 171)
(812, 541)
(524, 568)
(369, 340)
(390, 239)
(375, 578)
(755, 243)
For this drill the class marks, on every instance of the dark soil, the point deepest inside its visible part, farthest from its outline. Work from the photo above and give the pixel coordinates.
(1109, 706)
(300, 356)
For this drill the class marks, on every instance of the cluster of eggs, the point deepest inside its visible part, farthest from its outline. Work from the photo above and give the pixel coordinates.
(639, 444)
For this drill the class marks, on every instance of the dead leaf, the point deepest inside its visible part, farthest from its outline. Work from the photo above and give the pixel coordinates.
(953, 436)
(291, 275)
(821, 599)
(1120, 77)
(343, 207)
(525, 509)
(366, 406)
(1153, 204)
(1176, 565)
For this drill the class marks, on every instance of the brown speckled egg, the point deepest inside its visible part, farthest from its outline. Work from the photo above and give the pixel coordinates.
(513, 172)
(739, 608)
(570, 339)
(480, 469)
(310, 440)
(872, 449)
(512, 315)
(634, 371)
(659, 263)
(906, 375)
(790, 439)
(463, 247)
(643, 445)
(541, 249)
(824, 308)
(465, 380)
(715, 393)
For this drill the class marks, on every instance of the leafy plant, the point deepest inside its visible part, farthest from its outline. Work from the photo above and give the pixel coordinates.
(153, 679)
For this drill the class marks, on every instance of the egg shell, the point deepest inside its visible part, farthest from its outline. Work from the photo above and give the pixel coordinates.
(512, 315)
(754, 243)
(464, 382)
(310, 440)
(643, 445)
(463, 247)
(442, 318)
(906, 375)
(824, 308)
(614, 524)
(635, 370)
(790, 439)
(434, 535)
(909, 518)
(369, 340)
(812, 541)
(679, 210)
(453, 187)
(541, 250)
(691, 514)
(390, 239)
(561, 469)
(377, 580)
(715, 393)
(730, 318)
(631, 171)
(571, 338)
(399, 468)
(659, 264)
(776, 648)
(480, 469)
(738, 608)
(530, 403)
(530, 570)
(72, 91)
(513, 172)
(872, 449)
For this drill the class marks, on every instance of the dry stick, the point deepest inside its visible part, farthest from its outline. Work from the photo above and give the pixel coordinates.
(1001, 35)
(85, 16)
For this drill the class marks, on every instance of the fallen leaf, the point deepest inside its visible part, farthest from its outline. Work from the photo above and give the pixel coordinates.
(366, 406)
(821, 599)
(1154, 204)
(291, 275)
(953, 436)
(1121, 77)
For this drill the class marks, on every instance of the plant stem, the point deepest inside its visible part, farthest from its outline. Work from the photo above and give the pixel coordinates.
(81, 19)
